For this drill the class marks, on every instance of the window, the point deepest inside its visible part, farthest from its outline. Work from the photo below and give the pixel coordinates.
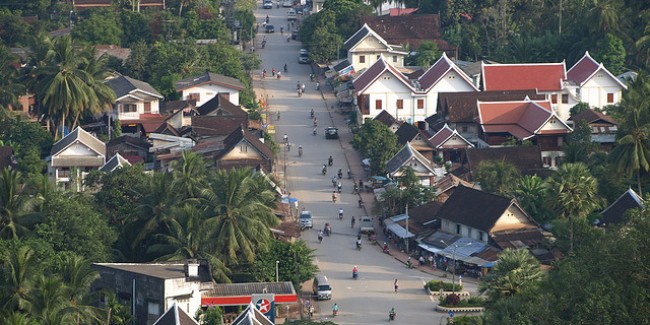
(378, 56)
(610, 98)
(395, 58)
(480, 235)
(565, 98)
(458, 228)
(546, 161)
(469, 232)
(378, 104)
(129, 108)
(554, 98)
(194, 96)
(420, 103)
(400, 104)
(362, 59)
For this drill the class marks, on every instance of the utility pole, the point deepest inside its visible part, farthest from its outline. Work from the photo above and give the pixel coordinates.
(407, 229)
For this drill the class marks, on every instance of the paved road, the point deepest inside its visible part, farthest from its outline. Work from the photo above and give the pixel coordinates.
(368, 299)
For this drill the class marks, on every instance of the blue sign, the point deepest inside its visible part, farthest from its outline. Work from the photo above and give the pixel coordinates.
(451, 314)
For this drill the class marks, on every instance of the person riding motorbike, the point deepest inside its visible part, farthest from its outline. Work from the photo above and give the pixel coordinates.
(264, 73)
(356, 189)
(391, 314)
(330, 161)
(349, 173)
(320, 236)
(328, 229)
(299, 151)
(311, 113)
(315, 131)
(386, 249)
(273, 72)
(334, 196)
(324, 170)
(359, 244)
(340, 213)
(355, 272)
(338, 186)
(334, 179)
(340, 173)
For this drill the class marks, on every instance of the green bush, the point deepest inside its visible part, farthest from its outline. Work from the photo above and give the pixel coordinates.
(435, 285)
(468, 320)
(455, 301)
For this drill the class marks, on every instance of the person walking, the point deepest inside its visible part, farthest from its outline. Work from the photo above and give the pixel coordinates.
(352, 222)
(396, 284)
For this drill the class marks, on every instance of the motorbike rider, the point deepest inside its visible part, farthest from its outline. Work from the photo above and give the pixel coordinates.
(355, 272)
(340, 213)
(330, 161)
(340, 173)
(334, 196)
(311, 113)
(324, 169)
(286, 68)
(392, 314)
(315, 131)
(349, 173)
(338, 185)
(358, 243)
(320, 236)
(299, 151)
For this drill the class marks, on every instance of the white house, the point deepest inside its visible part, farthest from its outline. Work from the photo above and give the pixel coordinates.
(135, 99)
(595, 85)
(409, 157)
(73, 157)
(365, 47)
(208, 85)
(383, 87)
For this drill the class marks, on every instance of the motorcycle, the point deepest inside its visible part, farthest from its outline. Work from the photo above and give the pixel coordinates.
(386, 250)
(333, 197)
(356, 189)
(340, 174)
(299, 151)
(330, 161)
(324, 171)
(349, 173)
(355, 274)
(315, 122)
(339, 187)
(328, 229)
(358, 244)
(314, 131)
(286, 68)
(391, 316)
(311, 113)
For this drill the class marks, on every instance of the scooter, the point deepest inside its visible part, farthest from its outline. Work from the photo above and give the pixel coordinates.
(311, 113)
(339, 187)
(355, 274)
(386, 250)
(324, 171)
(340, 174)
(391, 316)
(315, 131)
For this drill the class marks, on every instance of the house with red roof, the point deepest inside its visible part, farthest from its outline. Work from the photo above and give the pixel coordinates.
(549, 79)
(365, 47)
(594, 84)
(204, 87)
(524, 121)
(384, 87)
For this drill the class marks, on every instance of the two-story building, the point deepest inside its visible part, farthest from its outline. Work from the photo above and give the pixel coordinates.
(73, 157)
(204, 87)
(594, 84)
(524, 121)
(384, 87)
(133, 99)
(365, 47)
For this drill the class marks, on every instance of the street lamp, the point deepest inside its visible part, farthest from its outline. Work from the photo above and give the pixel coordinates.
(277, 278)
(453, 257)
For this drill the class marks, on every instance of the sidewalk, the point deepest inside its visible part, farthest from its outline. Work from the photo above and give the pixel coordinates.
(353, 159)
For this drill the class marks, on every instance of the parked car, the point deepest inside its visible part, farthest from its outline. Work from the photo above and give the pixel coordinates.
(366, 225)
(268, 4)
(331, 133)
(287, 4)
(269, 29)
(306, 220)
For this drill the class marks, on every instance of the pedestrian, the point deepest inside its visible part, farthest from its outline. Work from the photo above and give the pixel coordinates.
(281, 30)
(421, 260)
(288, 146)
(396, 284)
(431, 260)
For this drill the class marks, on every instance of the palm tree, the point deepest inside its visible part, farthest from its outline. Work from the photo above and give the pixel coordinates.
(20, 266)
(97, 68)
(531, 194)
(515, 272)
(605, 16)
(16, 206)
(61, 85)
(154, 208)
(240, 218)
(190, 237)
(77, 275)
(190, 175)
(632, 153)
(573, 193)
(10, 88)
(47, 302)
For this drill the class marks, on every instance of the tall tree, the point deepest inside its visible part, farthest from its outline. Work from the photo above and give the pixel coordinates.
(496, 176)
(631, 156)
(240, 218)
(530, 192)
(10, 87)
(378, 143)
(573, 193)
(190, 175)
(17, 208)
(78, 275)
(17, 277)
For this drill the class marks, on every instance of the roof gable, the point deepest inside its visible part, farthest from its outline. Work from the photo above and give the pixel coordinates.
(360, 35)
(404, 155)
(406, 133)
(368, 77)
(615, 212)
(175, 316)
(440, 69)
(209, 78)
(591, 116)
(220, 106)
(439, 139)
(409, 30)
(79, 135)
(586, 68)
(117, 161)
(474, 208)
(385, 118)
(124, 86)
(238, 136)
(540, 76)
(522, 119)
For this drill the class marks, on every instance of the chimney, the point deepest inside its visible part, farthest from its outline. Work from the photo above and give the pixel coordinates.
(191, 269)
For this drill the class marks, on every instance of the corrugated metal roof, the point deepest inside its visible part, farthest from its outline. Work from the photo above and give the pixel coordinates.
(249, 288)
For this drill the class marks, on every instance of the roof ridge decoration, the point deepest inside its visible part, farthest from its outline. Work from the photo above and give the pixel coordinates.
(453, 132)
(450, 66)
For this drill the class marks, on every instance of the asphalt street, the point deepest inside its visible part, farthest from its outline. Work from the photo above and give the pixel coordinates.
(367, 299)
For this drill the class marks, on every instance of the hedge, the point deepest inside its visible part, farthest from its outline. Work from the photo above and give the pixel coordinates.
(435, 285)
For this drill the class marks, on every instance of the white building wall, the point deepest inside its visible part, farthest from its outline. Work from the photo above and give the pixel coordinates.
(388, 88)
(451, 82)
(594, 92)
(187, 295)
(209, 91)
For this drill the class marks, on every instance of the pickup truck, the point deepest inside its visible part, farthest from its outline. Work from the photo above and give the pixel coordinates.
(366, 224)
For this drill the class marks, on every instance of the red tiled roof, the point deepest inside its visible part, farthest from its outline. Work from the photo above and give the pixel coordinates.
(445, 133)
(409, 29)
(522, 119)
(583, 69)
(401, 11)
(540, 76)
(438, 70)
(461, 106)
(377, 69)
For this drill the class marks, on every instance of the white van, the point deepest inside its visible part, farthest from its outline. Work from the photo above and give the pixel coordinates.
(322, 289)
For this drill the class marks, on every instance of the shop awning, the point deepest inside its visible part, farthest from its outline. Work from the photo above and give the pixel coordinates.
(429, 248)
(398, 230)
